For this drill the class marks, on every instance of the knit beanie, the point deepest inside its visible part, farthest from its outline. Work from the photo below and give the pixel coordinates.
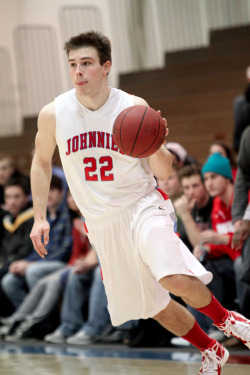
(219, 164)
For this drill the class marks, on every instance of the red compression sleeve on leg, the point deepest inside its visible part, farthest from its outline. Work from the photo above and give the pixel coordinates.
(215, 311)
(197, 337)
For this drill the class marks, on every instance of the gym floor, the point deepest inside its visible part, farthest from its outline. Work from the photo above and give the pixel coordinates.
(32, 357)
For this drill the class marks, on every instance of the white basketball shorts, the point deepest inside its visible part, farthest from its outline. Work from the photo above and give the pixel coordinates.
(137, 247)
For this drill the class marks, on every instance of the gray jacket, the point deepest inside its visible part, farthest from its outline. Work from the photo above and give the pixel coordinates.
(242, 182)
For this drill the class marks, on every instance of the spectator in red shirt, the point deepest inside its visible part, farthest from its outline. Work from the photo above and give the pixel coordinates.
(215, 249)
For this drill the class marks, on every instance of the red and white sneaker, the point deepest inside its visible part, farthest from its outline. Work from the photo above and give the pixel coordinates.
(238, 326)
(213, 358)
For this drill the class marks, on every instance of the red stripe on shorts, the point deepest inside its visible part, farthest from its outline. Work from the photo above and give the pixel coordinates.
(163, 194)
(85, 226)
(101, 273)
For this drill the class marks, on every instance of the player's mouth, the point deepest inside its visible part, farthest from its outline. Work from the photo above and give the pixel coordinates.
(81, 83)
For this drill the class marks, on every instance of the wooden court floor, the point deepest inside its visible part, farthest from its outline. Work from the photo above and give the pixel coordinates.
(53, 360)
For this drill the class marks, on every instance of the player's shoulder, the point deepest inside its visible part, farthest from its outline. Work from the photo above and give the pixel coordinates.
(48, 111)
(47, 118)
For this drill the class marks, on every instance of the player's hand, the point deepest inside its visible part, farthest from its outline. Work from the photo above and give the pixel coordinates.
(241, 234)
(166, 126)
(39, 233)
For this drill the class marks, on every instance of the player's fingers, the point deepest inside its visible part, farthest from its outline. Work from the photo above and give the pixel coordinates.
(38, 246)
(46, 236)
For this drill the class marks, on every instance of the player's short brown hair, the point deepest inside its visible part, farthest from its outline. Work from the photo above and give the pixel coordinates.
(91, 39)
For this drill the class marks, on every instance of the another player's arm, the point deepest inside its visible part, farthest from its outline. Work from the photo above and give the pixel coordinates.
(161, 161)
(41, 171)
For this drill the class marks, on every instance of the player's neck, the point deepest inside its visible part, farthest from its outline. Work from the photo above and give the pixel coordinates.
(96, 100)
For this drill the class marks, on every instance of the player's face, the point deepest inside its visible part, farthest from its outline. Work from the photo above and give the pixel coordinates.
(86, 73)
(15, 199)
(194, 189)
(215, 184)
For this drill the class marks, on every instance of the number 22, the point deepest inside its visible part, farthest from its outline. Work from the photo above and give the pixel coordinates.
(91, 167)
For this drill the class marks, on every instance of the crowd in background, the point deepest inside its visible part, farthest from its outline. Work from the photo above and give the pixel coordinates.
(61, 298)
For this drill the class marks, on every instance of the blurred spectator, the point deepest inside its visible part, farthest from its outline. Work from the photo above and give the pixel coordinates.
(241, 111)
(7, 170)
(17, 225)
(224, 150)
(180, 155)
(73, 328)
(194, 207)
(241, 219)
(24, 274)
(171, 186)
(215, 249)
(39, 304)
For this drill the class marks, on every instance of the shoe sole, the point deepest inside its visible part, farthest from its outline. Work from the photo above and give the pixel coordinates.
(225, 358)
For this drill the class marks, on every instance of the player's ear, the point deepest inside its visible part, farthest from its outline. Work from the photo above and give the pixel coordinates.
(107, 66)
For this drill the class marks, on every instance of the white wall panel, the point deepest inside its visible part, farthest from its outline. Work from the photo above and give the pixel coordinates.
(226, 13)
(76, 19)
(39, 74)
(8, 111)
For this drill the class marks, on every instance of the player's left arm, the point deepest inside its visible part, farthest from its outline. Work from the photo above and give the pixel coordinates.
(161, 161)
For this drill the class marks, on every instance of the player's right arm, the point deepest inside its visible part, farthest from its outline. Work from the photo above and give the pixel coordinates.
(41, 171)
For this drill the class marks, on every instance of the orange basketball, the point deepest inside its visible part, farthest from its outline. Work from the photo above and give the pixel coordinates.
(139, 131)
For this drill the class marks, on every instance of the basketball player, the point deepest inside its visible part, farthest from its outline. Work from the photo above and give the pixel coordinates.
(129, 222)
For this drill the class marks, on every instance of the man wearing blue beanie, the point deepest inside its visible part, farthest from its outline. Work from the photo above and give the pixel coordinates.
(218, 179)
(219, 164)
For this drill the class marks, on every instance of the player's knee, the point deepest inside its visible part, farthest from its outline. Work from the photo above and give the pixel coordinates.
(176, 284)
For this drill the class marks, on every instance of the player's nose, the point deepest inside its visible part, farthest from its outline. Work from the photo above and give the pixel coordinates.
(78, 71)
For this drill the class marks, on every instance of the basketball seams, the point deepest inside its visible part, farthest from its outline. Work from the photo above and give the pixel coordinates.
(137, 156)
(138, 131)
(125, 114)
(133, 133)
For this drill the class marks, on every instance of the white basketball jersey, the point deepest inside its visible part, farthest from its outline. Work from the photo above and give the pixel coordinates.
(101, 179)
